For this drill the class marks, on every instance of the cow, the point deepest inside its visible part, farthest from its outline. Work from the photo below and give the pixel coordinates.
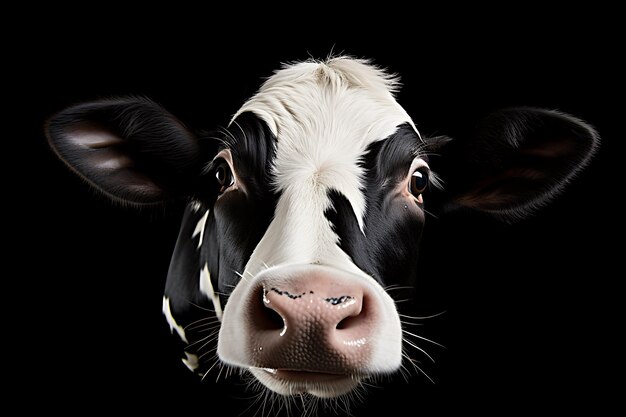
(305, 209)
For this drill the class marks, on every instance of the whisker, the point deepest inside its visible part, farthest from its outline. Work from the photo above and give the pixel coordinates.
(240, 275)
(199, 341)
(230, 371)
(412, 362)
(398, 287)
(422, 371)
(403, 371)
(264, 403)
(200, 307)
(418, 370)
(254, 400)
(367, 384)
(203, 327)
(212, 339)
(430, 213)
(208, 320)
(207, 352)
(423, 338)
(212, 366)
(214, 328)
(422, 317)
(410, 324)
(219, 373)
(420, 349)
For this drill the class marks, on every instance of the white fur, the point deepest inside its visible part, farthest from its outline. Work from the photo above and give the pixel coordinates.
(171, 321)
(206, 287)
(199, 230)
(196, 206)
(191, 361)
(324, 115)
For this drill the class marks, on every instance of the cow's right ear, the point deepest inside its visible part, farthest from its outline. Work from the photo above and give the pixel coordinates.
(131, 149)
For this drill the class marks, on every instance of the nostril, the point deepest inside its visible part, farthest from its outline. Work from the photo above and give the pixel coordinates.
(319, 321)
(273, 320)
(264, 317)
(359, 312)
(347, 323)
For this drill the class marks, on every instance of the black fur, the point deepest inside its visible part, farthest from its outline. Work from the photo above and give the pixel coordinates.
(142, 155)
(235, 224)
(239, 219)
(518, 160)
(393, 225)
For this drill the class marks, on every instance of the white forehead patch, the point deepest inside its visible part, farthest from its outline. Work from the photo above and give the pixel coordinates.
(324, 116)
(292, 99)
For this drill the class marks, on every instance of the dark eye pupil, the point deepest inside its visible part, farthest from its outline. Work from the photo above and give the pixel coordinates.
(224, 177)
(221, 175)
(419, 181)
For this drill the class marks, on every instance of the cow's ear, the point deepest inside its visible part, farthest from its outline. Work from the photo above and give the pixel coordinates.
(518, 160)
(131, 149)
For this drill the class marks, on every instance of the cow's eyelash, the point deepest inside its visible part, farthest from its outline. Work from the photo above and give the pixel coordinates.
(211, 166)
(435, 180)
(214, 163)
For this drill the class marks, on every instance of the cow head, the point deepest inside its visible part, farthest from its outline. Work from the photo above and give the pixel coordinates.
(305, 209)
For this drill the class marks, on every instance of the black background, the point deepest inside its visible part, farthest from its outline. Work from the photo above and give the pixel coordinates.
(531, 310)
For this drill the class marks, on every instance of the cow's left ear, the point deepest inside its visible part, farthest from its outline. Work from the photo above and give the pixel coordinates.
(518, 160)
(130, 149)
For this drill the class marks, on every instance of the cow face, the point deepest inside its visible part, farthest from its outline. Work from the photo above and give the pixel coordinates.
(305, 209)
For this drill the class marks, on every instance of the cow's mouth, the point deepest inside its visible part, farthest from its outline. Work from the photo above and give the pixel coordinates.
(319, 384)
(304, 376)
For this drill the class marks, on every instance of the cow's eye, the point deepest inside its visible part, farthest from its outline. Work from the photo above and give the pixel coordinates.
(224, 176)
(419, 181)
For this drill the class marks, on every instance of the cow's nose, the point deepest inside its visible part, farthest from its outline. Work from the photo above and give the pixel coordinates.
(318, 321)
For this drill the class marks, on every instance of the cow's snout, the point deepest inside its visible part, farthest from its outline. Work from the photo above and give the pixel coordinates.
(311, 328)
(316, 321)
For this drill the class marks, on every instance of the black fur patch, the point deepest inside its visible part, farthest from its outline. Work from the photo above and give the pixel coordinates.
(517, 161)
(388, 249)
(131, 149)
(236, 222)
